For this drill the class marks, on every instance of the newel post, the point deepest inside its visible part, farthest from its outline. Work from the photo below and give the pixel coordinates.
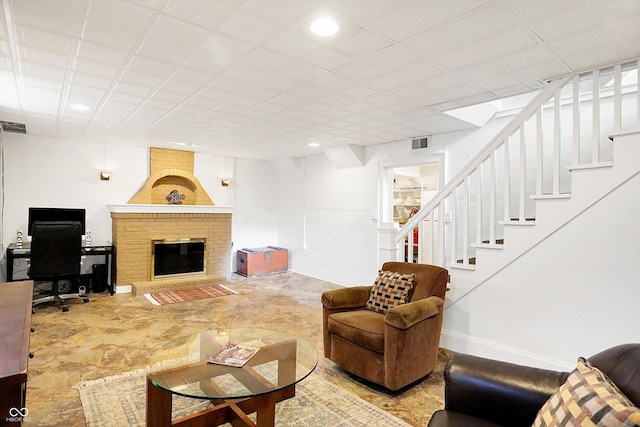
(387, 246)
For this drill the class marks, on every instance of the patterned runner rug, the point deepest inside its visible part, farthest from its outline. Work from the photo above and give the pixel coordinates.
(182, 295)
(120, 401)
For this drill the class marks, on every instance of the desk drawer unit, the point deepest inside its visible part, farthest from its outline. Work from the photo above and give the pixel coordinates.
(272, 259)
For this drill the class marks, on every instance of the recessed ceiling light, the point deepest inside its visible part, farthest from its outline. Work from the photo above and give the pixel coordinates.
(324, 26)
(80, 107)
(314, 144)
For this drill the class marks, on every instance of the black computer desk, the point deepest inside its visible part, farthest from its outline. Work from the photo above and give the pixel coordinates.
(89, 249)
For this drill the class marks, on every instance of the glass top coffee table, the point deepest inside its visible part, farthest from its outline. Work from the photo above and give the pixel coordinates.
(182, 367)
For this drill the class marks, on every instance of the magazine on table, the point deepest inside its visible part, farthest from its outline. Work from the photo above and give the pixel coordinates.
(235, 354)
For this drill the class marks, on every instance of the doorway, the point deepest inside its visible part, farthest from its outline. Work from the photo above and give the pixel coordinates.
(406, 188)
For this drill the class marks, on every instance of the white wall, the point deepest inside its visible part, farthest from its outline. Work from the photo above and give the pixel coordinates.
(256, 214)
(574, 294)
(326, 213)
(53, 172)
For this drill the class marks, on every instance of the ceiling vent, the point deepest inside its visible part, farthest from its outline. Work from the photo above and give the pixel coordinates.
(420, 143)
(13, 127)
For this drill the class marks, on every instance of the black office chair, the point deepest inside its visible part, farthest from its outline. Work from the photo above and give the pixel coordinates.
(56, 250)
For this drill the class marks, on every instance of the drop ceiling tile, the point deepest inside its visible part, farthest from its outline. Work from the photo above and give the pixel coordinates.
(360, 44)
(102, 55)
(427, 99)
(175, 32)
(287, 12)
(391, 59)
(403, 23)
(494, 83)
(141, 79)
(43, 39)
(457, 58)
(462, 92)
(110, 37)
(43, 83)
(358, 107)
(50, 16)
(359, 71)
(595, 38)
(568, 22)
(179, 88)
(248, 28)
(245, 74)
(43, 71)
(301, 72)
(504, 42)
(209, 14)
(431, 43)
(90, 81)
(42, 100)
(96, 70)
(156, 49)
(334, 100)
(328, 59)
(532, 10)
(333, 82)
(363, 11)
(266, 60)
(386, 82)
(126, 16)
(260, 93)
(43, 57)
(149, 66)
(290, 44)
(218, 52)
(525, 59)
(122, 101)
(595, 57)
(188, 75)
(206, 63)
(132, 89)
(418, 71)
(480, 23)
(479, 72)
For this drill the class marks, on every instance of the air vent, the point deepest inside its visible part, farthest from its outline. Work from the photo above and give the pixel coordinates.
(420, 143)
(13, 127)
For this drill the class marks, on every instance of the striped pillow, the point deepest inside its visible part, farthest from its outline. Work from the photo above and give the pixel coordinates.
(588, 398)
(389, 290)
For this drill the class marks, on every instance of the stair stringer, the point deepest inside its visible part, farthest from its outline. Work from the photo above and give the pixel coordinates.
(588, 187)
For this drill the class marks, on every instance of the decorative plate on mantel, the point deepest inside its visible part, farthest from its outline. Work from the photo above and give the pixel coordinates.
(175, 198)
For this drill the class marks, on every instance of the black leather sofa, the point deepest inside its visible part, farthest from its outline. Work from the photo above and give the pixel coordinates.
(481, 392)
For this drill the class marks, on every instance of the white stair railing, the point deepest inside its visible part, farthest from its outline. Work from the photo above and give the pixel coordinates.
(564, 127)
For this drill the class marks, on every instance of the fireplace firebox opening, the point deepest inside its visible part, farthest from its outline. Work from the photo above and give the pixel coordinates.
(178, 257)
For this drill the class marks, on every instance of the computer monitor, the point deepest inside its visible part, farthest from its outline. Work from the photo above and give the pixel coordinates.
(56, 214)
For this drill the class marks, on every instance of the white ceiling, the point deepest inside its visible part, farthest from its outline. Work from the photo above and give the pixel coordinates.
(246, 78)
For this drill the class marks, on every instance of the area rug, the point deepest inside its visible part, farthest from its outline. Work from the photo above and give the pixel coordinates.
(120, 400)
(182, 295)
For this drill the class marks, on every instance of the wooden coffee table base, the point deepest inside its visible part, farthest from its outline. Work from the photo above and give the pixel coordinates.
(159, 402)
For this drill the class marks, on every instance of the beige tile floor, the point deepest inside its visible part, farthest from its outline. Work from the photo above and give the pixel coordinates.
(114, 334)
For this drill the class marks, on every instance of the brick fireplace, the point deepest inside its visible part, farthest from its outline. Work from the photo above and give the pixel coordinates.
(151, 216)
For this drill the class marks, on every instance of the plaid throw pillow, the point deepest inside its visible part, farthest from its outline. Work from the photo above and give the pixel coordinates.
(588, 398)
(389, 290)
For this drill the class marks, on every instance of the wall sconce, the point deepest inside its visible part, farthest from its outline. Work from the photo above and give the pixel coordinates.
(105, 175)
(226, 182)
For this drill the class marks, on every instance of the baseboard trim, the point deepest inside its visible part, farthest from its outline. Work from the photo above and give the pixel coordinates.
(466, 344)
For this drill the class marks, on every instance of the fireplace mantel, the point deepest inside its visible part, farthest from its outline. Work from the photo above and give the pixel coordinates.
(156, 208)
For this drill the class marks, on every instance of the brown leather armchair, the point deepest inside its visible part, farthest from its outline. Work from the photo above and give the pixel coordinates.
(393, 349)
(482, 392)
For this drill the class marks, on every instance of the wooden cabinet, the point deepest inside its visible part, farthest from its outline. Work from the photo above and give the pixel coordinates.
(15, 327)
(271, 259)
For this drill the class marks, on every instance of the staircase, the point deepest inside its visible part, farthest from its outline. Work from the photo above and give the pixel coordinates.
(558, 157)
